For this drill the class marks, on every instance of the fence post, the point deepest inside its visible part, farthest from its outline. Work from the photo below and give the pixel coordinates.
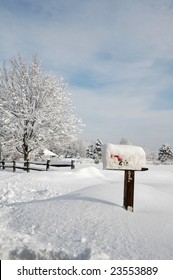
(47, 164)
(3, 164)
(27, 165)
(72, 164)
(14, 166)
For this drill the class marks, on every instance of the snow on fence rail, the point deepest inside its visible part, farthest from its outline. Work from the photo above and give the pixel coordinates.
(27, 165)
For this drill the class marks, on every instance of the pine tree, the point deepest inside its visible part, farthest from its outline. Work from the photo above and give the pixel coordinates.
(35, 108)
(165, 153)
(94, 151)
(98, 151)
(90, 152)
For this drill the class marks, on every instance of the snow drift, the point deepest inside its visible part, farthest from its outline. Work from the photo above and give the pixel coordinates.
(78, 214)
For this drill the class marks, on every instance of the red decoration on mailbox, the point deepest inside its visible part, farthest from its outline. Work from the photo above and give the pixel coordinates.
(116, 156)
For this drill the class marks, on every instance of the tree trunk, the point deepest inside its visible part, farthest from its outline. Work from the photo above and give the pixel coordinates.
(25, 145)
(0, 151)
(25, 150)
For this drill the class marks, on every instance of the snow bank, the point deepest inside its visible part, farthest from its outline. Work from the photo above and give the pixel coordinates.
(123, 157)
(89, 172)
(79, 214)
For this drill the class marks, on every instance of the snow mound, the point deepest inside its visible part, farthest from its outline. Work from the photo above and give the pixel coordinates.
(89, 172)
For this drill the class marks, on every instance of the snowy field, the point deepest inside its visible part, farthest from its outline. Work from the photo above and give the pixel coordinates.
(78, 214)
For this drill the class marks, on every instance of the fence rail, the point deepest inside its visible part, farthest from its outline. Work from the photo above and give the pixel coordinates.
(28, 165)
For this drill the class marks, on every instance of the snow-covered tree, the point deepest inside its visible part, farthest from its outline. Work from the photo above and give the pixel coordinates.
(77, 149)
(1, 116)
(165, 153)
(94, 151)
(151, 155)
(98, 150)
(90, 151)
(125, 141)
(81, 146)
(35, 108)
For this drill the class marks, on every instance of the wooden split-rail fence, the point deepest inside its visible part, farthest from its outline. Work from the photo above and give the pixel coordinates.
(31, 165)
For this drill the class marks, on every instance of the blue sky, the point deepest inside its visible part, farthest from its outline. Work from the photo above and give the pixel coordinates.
(116, 56)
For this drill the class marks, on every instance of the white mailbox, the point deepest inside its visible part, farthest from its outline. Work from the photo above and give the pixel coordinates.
(123, 157)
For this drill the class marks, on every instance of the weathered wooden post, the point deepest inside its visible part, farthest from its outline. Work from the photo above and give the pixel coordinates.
(47, 164)
(129, 179)
(14, 166)
(27, 165)
(129, 159)
(3, 164)
(72, 164)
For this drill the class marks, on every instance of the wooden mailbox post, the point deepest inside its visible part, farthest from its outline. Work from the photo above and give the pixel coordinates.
(129, 179)
(128, 159)
(129, 184)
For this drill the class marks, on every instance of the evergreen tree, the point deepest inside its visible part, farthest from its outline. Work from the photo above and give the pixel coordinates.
(90, 152)
(165, 153)
(98, 150)
(94, 151)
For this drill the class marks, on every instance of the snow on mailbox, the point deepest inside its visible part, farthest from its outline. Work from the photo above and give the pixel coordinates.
(123, 157)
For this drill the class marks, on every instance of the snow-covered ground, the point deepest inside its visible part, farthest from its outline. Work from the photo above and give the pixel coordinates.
(78, 214)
